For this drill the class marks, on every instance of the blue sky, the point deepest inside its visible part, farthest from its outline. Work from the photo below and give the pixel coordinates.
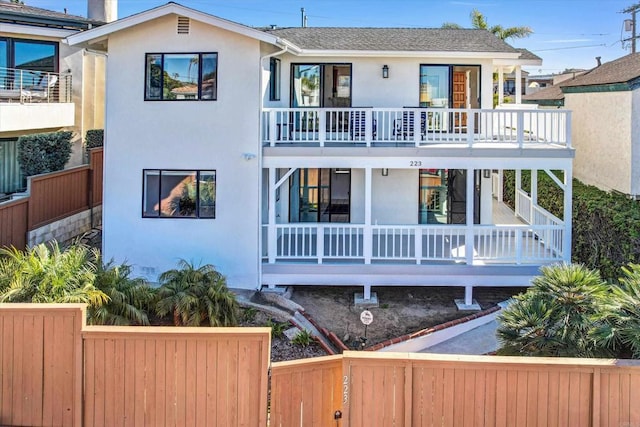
(567, 33)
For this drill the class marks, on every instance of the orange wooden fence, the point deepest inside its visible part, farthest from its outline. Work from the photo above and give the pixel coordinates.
(52, 196)
(308, 391)
(41, 364)
(13, 223)
(54, 370)
(176, 376)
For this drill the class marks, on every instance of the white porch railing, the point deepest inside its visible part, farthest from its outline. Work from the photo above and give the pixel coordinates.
(25, 86)
(511, 244)
(413, 126)
(547, 226)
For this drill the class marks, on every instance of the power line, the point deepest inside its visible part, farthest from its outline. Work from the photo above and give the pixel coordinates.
(569, 47)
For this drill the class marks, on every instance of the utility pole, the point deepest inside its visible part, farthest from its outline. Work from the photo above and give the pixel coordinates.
(633, 10)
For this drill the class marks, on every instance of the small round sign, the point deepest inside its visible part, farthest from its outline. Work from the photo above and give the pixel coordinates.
(366, 317)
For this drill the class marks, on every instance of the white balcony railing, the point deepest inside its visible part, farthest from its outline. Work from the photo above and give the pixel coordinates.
(27, 86)
(506, 244)
(413, 126)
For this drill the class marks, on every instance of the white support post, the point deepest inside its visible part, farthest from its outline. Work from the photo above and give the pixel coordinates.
(518, 72)
(273, 128)
(418, 244)
(518, 187)
(468, 295)
(272, 235)
(322, 123)
(534, 193)
(567, 214)
(500, 86)
(368, 129)
(367, 292)
(320, 243)
(367, 242)
(520, 128)
(469, 237)
(501, 185)
(471, 126)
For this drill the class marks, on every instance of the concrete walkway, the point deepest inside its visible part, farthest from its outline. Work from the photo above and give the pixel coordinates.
(481, 340)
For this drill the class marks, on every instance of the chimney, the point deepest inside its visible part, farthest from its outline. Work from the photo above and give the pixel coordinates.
(102, 10)
(598, 58)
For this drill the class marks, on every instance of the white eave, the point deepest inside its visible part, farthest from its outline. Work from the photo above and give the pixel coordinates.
(32, 30)
(101, 33)
(508, 57)
(517, 62)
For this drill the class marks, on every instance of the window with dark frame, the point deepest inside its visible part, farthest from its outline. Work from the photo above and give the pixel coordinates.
(274, 79)
(181, 77)
(178, 193)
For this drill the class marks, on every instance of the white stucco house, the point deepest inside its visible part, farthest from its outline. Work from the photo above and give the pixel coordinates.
(605, 105)
(322, 156)
(45, 84)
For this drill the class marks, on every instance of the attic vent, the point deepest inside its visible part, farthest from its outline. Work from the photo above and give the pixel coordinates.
(183, 25)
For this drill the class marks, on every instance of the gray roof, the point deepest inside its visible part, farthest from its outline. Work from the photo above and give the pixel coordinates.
(29, 15)
(621, 70)
(527, 54)
(393, 39)
(545, 94)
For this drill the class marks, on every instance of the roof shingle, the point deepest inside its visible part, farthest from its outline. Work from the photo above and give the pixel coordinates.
(621, 70)
(393, 39)
(22, 13)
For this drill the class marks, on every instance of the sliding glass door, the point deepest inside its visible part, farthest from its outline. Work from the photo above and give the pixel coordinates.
(321, 85)
(320, 195)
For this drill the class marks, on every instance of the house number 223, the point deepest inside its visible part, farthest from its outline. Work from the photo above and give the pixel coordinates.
(345, 389)
(415, 163)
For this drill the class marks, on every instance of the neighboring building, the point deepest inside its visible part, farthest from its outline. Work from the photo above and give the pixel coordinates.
(539, 82)
(606, 122)
(321, 156)
(45, 85)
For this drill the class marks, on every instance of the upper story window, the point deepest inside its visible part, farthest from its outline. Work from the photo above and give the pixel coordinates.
(25, 54)
(274, 79)
(181, 76)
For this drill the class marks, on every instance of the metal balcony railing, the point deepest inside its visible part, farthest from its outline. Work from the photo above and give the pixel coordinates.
(28, 86)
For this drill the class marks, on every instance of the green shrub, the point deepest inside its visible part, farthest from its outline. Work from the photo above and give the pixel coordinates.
(303, 338)
(606, 226)
(44, 152)
(94, 138)
(277, 328)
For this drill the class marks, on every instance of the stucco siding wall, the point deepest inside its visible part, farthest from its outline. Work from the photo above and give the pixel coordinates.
(601, 131)
(369, 89)
(635, 143)
(192, 135)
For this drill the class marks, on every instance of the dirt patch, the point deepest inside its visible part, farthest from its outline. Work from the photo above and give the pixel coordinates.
(402, 310)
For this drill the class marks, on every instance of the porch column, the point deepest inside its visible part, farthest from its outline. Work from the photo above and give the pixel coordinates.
(518, 72)
(500, 86)
(272, 235)
(500, 195)
(567, 214)
(469, 237)
(518, 186)
(367, 238)
(534, 191)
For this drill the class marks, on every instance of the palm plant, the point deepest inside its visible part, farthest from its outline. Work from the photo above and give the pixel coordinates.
(620, 330)
(479, 22)
(194, 295)
(556, 315)
(129, 299)
(46, 273)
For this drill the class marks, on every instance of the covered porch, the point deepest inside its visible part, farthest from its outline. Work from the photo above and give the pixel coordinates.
(485, 244)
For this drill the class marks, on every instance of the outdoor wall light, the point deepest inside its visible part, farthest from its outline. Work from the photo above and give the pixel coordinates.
(385, 71)
(385, 172)
(486, 173)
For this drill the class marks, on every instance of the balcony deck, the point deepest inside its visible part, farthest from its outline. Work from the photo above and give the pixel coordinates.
(34, 100)
(416, 127)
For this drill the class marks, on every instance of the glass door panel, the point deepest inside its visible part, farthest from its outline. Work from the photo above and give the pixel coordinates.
(305, 91)
(434, 86)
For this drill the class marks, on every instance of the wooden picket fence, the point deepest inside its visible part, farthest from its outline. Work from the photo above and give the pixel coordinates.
(55, 370)
(52, 196)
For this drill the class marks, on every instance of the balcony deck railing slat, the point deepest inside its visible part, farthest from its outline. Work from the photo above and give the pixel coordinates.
(31, 86)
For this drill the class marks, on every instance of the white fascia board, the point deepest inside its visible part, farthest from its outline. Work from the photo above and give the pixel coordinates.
(29, 30)
(517, 62)
(408, 54)
(90, 36)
